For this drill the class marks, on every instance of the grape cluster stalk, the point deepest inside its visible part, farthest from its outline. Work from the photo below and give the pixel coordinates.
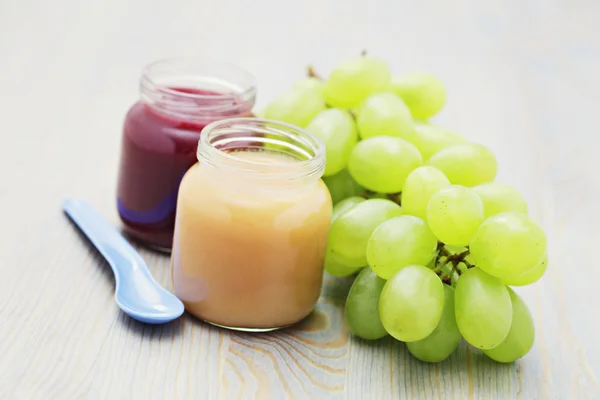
(433, 242)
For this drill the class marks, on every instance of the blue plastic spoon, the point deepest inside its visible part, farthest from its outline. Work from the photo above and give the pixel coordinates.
(136, 293)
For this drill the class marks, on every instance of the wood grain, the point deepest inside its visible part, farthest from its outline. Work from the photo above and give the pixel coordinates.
(522, 78)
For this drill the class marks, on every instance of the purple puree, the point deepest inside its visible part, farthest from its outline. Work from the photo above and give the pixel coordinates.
(156, 152)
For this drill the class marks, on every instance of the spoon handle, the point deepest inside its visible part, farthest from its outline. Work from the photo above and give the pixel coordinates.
(115, 249)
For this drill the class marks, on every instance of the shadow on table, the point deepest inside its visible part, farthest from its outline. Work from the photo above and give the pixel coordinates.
(158, 332)
(468, 366)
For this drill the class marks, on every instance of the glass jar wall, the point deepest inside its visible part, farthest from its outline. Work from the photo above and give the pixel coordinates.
(252, 223)
(178, 98)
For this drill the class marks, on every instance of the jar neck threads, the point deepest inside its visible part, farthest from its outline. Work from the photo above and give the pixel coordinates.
(304, 153)
(197, 90)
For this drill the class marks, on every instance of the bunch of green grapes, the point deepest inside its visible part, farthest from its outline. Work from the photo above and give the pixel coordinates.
(434, 243)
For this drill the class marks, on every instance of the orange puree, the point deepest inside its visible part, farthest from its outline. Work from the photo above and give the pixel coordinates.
(248, 249)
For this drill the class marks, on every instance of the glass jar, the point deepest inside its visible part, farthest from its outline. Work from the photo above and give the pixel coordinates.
(178, 98)
(252, 224)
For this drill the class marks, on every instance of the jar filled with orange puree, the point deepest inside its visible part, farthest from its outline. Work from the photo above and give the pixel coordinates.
(251, 225)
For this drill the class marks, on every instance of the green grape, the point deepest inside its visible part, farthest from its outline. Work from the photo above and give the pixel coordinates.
(335, 268)
(382, 163)
(311, 83)
(350, 232)
(341, 186)
(398, 242)
(530, 276)
(444, 339)
(499, 197)
(362, 306)
(297, 106)
(420, 185)
(466, 164)
(521, 336)
(508, 244)
(430, 139)
(483, 309)
(423, 93)
(383, 114)
(432, 264)
(411, 303)
(454, 213)
(353, 80)
(336, 128)
(344, 206)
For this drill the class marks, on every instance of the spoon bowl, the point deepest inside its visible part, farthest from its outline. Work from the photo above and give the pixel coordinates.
(136, 292)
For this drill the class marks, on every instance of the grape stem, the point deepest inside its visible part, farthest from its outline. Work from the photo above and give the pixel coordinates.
(312, 73)
(447, 275)
(439, 263)
(438, 256)
(460, 257)
(450, 266)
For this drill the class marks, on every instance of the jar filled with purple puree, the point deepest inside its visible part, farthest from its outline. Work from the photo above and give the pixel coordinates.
(178, 98)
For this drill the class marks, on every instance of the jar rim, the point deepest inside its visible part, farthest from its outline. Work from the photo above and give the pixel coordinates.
(197, 89)
(304, 142)
(204, 61)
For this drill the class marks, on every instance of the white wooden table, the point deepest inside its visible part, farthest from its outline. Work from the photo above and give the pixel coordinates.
(523, 78)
